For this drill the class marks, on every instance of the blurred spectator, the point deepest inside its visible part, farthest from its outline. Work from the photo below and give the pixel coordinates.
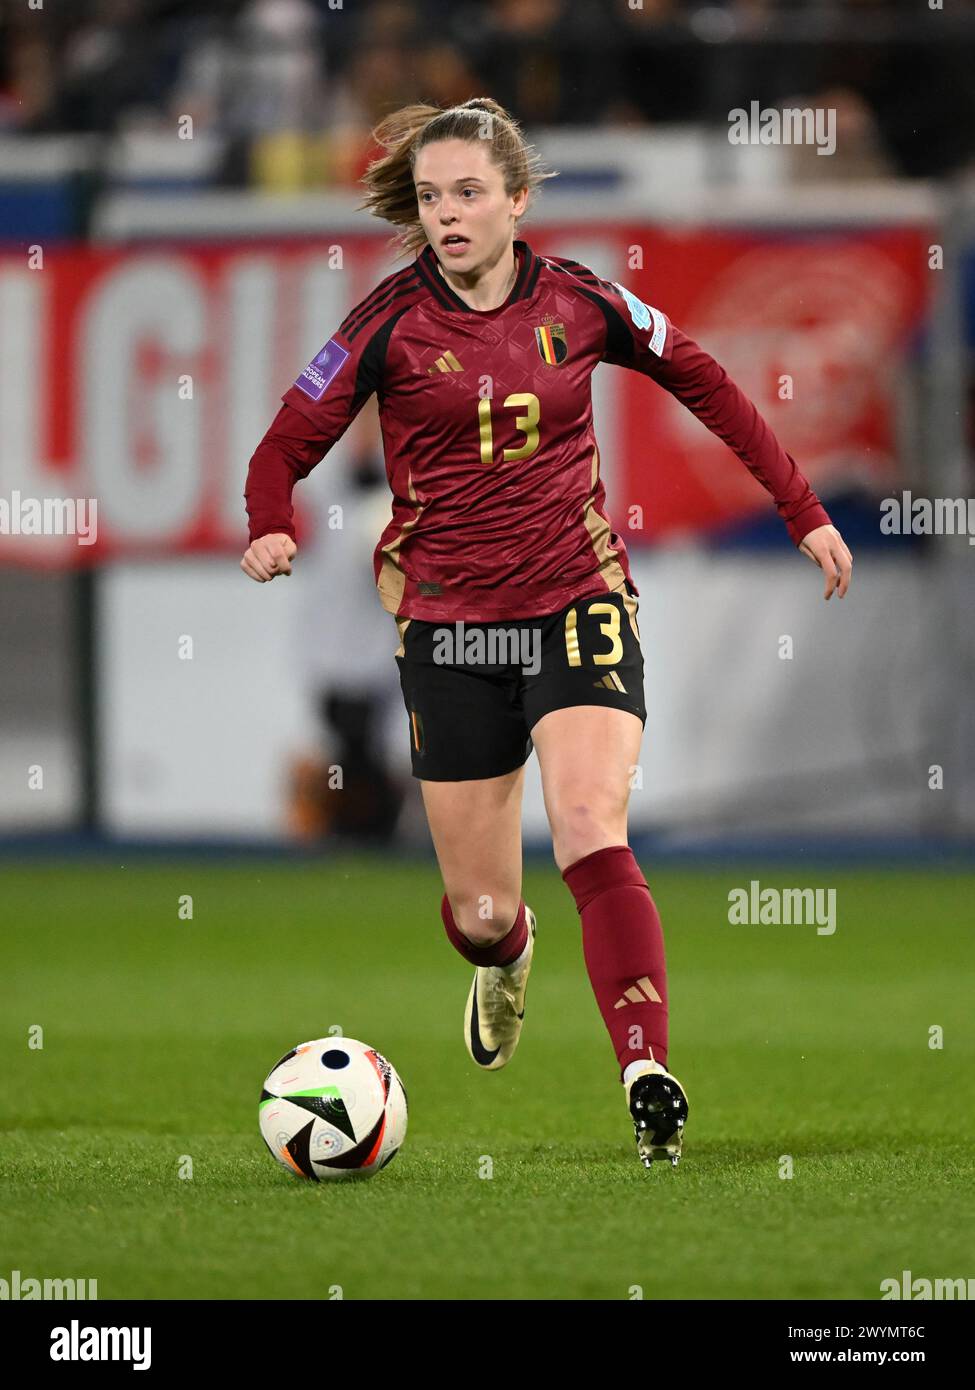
(27, 91)
(115, 59)
(263, 73)
(295, 85)
(923, 97)
(860, 154)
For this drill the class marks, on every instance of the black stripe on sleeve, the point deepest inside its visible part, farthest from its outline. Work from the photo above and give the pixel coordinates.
(372, 363)
(619, 340)
(380, 299)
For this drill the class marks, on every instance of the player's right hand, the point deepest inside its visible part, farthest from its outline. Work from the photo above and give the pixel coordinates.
(269, 556)
(826, 548)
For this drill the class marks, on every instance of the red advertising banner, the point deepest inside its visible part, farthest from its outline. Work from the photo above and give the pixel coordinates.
(816, 328)
(136, 383)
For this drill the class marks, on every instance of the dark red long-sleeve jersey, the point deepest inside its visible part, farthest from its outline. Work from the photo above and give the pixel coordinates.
(498, 507)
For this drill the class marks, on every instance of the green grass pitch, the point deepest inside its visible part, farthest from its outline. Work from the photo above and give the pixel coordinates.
(158, 1033)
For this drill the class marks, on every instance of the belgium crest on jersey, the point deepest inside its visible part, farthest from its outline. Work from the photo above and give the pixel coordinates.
(551, 342)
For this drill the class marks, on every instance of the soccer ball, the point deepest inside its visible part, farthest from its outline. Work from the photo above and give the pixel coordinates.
(333, 1108)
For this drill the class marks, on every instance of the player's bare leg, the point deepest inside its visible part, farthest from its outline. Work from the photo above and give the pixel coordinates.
(476, 830)
(588, 755)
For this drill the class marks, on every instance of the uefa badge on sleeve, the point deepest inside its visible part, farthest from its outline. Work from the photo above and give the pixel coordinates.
(645, 316)
(322, 369)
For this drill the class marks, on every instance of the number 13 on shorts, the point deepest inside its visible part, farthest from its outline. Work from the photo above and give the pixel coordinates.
(609, 626)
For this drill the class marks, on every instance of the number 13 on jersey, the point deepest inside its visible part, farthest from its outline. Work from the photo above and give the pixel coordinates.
(526, 423)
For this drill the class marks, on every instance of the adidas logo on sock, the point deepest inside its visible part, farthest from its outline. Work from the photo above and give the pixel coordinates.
(639, 993)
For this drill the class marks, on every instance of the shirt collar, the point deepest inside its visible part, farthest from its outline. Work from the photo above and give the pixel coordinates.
(528, 268)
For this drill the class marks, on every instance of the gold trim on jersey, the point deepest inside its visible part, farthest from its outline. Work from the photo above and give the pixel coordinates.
(392, 581)
(630, 604)
(599, 533)
(401, 625)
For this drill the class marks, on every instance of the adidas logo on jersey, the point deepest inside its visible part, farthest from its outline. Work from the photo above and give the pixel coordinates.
(641, 992)
(447, 363)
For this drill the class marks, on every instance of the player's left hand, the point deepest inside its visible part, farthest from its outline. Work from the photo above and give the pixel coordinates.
(827, 548)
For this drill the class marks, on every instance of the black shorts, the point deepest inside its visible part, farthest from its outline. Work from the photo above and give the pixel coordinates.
(474, 691)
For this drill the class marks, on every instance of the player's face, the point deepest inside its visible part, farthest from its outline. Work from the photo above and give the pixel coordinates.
(466, 214)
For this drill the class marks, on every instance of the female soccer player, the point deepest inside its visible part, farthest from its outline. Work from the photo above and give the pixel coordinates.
(511, 592)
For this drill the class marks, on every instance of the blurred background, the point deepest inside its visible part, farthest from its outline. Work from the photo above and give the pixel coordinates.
(179, 236)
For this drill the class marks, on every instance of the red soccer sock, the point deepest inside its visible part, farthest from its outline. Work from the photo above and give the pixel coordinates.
(623, 945)
(501, 952)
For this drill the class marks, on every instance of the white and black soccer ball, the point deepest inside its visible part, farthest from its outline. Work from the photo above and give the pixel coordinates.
(333, 1108)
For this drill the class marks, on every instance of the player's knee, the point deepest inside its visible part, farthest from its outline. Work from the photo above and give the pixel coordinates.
(484, 917)
(582, 826)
